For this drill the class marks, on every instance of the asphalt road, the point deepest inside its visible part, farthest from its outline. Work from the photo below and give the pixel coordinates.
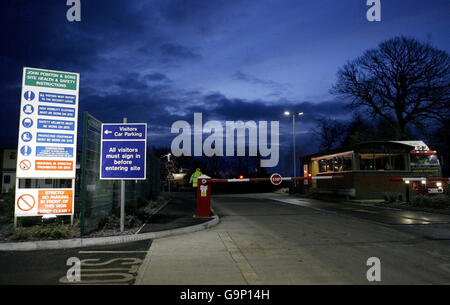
(262, 239)
(114, 264)
(276, 239)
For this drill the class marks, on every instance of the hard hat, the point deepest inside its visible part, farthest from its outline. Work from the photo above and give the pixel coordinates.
(197, 169)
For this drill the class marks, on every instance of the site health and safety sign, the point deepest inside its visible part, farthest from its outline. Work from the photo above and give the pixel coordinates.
(47, 140)
(123, 151)
(48, 124)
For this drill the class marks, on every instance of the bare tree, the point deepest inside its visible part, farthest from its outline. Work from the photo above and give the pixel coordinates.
(329, 132)
(402, 81)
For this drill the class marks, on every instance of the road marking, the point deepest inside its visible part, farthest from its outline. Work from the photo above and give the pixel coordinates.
(95, 261)
(113, 275)
(241, 262)
(107, 252)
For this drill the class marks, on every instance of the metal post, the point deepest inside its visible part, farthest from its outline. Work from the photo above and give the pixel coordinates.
(407, 192)
(168, 181)
(293, 135)
(15, 217)
(73, 203)
(295, 167)
(122, 199)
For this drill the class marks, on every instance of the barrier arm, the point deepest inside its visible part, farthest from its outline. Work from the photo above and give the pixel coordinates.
(204, 189)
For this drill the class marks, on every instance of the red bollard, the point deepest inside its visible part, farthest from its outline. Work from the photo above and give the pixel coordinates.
(203, 197)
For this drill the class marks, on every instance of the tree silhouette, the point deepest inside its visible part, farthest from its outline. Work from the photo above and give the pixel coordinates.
(403, 81)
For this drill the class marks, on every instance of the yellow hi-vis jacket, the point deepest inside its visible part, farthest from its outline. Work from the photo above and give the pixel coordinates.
(194, 177)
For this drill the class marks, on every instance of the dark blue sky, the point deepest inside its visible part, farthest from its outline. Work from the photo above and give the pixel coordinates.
(159, 61)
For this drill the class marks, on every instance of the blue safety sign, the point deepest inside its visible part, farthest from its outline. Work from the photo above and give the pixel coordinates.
(25, 150)
(26, 136)
(123, 151)
(29, 95)
(28, 109)
(27, 122)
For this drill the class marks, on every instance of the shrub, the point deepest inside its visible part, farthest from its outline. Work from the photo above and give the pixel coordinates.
(440, 201)
(109, 222)
(434, 202)
(420, 201)
(8, 217)
(392, 198)
(52, 231)
(132, 221)
(20, 234)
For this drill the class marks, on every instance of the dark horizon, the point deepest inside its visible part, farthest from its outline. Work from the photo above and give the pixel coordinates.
(161, 61)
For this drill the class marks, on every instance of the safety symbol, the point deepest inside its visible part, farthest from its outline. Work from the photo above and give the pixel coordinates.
(203, 190)
(25, 150)
(27, 122)
(25, 164)
(26, 136)
(29, 95)
(28, 109)
(25, 202)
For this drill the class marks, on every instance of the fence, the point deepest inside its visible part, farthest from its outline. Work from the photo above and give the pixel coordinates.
(101, 198)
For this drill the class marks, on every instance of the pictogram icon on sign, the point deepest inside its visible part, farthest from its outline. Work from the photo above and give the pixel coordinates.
(27, 122)
(29, 95)
(26, 136)
(25, 202)
(25, 164)
(28, 109)
(276, 179)
(25, 150)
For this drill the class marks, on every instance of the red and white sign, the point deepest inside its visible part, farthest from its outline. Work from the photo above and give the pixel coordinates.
(25, 202)
(276, 179)
(36, 202)
(169, 165)
(25, 164)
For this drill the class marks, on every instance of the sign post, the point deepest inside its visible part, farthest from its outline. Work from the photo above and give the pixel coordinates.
(47, 141)
(123, 155)
(122, 198)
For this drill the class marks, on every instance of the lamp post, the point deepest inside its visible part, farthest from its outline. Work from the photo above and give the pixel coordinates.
(294, 114)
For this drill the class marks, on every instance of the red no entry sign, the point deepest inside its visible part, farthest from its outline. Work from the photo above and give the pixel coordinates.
(276, 179)
(25, 164)
(25, 202)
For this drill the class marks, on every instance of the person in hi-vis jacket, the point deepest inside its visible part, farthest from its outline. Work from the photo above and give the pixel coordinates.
(194, 178)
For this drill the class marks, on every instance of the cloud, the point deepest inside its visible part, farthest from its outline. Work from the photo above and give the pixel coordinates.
(177, 51)
(239, 75)
(156, 77)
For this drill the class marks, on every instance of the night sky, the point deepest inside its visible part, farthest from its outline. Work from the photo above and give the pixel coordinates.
(161, 61)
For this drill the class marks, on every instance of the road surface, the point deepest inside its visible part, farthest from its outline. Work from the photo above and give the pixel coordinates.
(276, 239)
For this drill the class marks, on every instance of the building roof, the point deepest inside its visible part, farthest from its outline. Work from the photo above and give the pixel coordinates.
(372, 147)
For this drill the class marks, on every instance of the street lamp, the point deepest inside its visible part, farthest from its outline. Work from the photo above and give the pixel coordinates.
(288, 113)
